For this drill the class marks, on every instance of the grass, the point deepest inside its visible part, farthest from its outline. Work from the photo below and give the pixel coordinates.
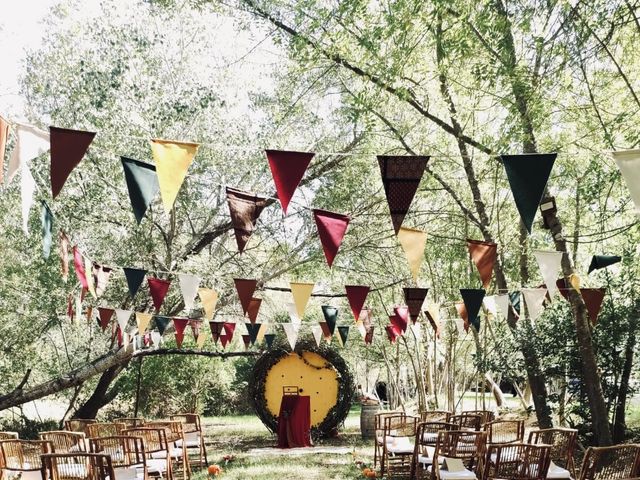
(255, 458)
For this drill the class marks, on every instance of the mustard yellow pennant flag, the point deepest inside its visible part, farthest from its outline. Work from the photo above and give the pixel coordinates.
(143, 319)
(209, 298)
(202, 338)
(172, 162)
(413, 243)
(261, 332)
(301, 293)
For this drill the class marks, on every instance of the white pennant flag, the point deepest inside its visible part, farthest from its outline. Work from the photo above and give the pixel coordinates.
(549, 263)
(534, 298)
(316, 330)
(502, 301)
(291, 331)
(359, 325)
(490, 304)
(189, 287)
(417, 331)
(156, 338)
(122, 317)
(30, 142)
(293, 313)
(628, 162)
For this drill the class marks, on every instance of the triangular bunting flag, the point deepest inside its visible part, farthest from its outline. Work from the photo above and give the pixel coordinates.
(326, 331)
(47, 228)
(549, 263)
(401, 177)
(528, 175)
(366, 317)
(392, 332)
(67, 149)
(331, 229)
(78, 262)
(122, 317)
(142, 321)
(357, 295)
(253, 329)
(343, 334)
(134, 277)
(142, 184)
(158, 289)
(195, 328)
(264, 327)
(593, 298)
(287, 169)
(180, 324)
(30, 142)
(4, 136)
(414, 298)
(301, 293)
(156, 338)
(216, 330)
(433, 315)
(368, 339)
(362, 330)
(63, 251)
(173, 160)
(291, 331)
(484, 256)
(534, 299)
(472, 298)
(401, 313)
(189, 287)
(603, 261)
(105, 315)
(628, 162)
(101, 275)
(246, 339)
(413, 243)
(88, 268)
(330, 317)
(162, 323)
(245, 208)
(200, 341)
(209, 298)
(514, 299)
(293, 313)
(254, 308)
(245, 289)
(316, 331)
(489, 303)
(269, 338)
(502, 301)
(229, 328)
(224, 341)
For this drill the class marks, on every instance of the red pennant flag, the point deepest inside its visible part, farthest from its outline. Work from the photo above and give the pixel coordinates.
(326, 331)
(245, 208)
(229, 328)
(356, 294)
(67, 149)
(434, 325)
(245, 289)
(120, 336)
(246, 340)
(483, 255)
(331, 229)
(195, 328)
(400, 177)
(414, 298)
(180, 324)
(368, 338)
(254, 307)
(105, 315)
(78, 263)
(402, 317)
(158, 289)
(593, 298)
(287, 169)
(224, 340)
(562, 288)
(216, 330)
(392, 332)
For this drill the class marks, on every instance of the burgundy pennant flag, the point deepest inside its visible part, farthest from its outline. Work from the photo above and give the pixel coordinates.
(158, 289)
(402, 317)
(105, 315)
(357, 295)
(398, 323)
(119, 335)
(254, 307)
(78, 263)
(562, 288)
(483, 255)
(287, 169)
(593, 298)
(229, 328)
(432, 321)
(368, 338)
(195, 328)
(245, 289)
(401, 177)
(414, 298)
(67, 149)
(326, 331)
(331, 229)
(216, 330)
(393, 332)
(224, 340)
(245, 208)
(180, 324)
(246, 339)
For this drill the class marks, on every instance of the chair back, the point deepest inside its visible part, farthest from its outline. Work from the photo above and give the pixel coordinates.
(562, 442)
(63, 441)
(78, 424)
(96, 430)
(396, 426)
(486, 416)
(78, 466)
(190, 421)
(435, 416)
(174, 429)
(8, 435)
(468, 446)
(466, 421)
(427, 432)
(620, 462)
(125, 451)
(517, 461)
(131, 421)
(154, 439)
(23, 455)
(505, 431)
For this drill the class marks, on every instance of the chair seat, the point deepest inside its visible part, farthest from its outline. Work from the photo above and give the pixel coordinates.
(129, 473)
(191, 440)
(462, 475)
(22, 475)
(400, 445)
(175, 453)
(156, 465)
(556, 472)
(72, 470)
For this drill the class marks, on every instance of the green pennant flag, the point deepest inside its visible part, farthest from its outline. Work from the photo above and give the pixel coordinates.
(162, 323)
(528, 175)
(603, 261)
(343, 331)
(142, 183)
(134, 277)
(253, 329)
(269, 338)
(472, 298)
(47, 227)
(330, 317)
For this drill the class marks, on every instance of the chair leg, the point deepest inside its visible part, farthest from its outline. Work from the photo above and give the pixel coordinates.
(204, 449)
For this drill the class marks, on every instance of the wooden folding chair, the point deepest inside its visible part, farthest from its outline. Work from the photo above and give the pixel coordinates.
(8, 435)
(78, 424)
(127, 455)
(620, 462)
(379, 434)
(175, 436)
(435, 416)
(97, 430)
(467, 421)
(505, 431)
(193, 435)
(486, 416)
(425, 445)
(21, 459)
(156, 450)
(516, 461)
(399, 433)
(563, 444)
(63, 441)
(78, 466)
(467, 446)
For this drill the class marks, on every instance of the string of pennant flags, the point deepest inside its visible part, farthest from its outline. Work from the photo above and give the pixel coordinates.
(527, 175)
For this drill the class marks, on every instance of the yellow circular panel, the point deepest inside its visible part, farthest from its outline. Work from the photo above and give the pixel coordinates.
(321, 384)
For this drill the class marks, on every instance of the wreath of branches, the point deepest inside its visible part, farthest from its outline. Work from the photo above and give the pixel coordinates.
(335, 417)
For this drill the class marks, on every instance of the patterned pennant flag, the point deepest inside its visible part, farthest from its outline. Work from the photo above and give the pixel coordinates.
(67, 149)
(484, 256)
(245, 209)
(301, 293)
(287, 169)
(414, 298)
(180, 324)
(173, 160)
(158, 289)
(331, 229)
(142, 184)
(413, 243)
(357, 295)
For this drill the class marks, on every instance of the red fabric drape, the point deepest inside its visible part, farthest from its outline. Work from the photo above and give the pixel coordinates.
(294, 422)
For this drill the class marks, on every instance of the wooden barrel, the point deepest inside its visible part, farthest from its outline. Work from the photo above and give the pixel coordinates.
(368, 421)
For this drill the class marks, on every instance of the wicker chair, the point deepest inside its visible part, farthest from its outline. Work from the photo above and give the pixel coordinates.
(505, 431)
(563, 443)
(397, 450)
(435, 416)
(78, 424)
(127, 455)
(193, 435)
(379, 432)
(78, 466)
(131, 422)
(8, 435)
(21, 458)
(175, 436)
(517, 461)
(467, 421)
(97, 430)
(425, 445)
(485, 415)
(156, 449)
(465, 445)
(63, 441)
(620, 462)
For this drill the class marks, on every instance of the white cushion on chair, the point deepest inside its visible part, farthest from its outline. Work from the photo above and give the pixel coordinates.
(399, 445)
(11, 474)
(557, 472)
(464, 475)
(192, 440)
(157, 465)
(429, 437)
(129, 473)
(175, 453)
(73, 470)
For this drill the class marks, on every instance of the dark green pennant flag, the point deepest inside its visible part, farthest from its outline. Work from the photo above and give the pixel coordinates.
(603, 261)
(528, 175)
(330, 317)
(253, 329)
(269, 338)
(162, 323)
(472, 298)
(514, 298)
(343, 331)
(134, 277)
(142, 183)
(47, 228)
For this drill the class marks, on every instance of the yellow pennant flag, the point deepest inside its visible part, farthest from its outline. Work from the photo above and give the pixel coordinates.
(261, 332)
(209, 298)
(413, 243)
(301, 293)
(143, 320)
(172, 162)
(202, 338)
(574, 279)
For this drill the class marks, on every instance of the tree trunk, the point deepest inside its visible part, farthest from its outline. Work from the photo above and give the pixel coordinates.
(101, 396)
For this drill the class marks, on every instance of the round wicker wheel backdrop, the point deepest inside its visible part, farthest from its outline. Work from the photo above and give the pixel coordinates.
(320, 367)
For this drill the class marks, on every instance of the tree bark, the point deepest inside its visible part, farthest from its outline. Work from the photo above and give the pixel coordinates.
(100, 396)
